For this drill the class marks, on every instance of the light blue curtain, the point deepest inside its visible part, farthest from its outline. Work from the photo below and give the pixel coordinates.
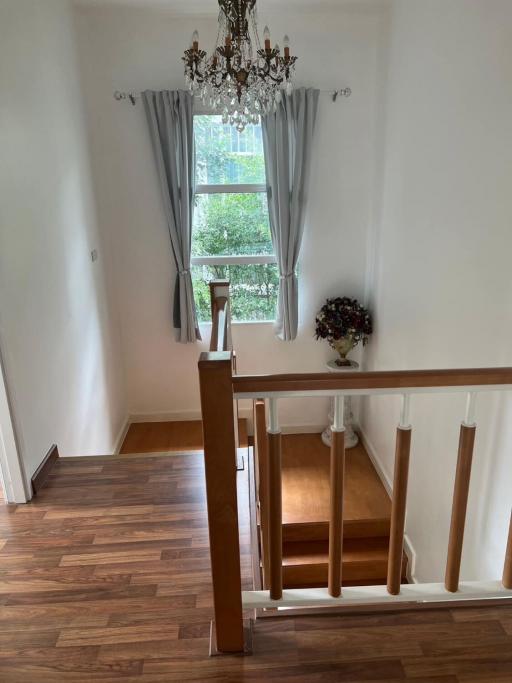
(288, 145)
(170, 121)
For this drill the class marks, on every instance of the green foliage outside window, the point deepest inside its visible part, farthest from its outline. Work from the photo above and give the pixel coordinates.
(230, 224)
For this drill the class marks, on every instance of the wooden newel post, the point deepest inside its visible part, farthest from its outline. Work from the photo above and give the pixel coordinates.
(507, 572)
(215, 379)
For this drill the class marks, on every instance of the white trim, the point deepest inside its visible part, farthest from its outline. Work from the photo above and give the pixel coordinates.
(469, 420)
(232, 188)
(226, 260)
(11, 464)
(166, 416)
(122, 435)
(303, 429)
(339, 414)
(405, 412)
(372, 392)
(273, 417)
(388, 485)
(177, 416)
(375, 595)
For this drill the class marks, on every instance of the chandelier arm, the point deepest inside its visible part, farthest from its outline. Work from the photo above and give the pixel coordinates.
(241, 78)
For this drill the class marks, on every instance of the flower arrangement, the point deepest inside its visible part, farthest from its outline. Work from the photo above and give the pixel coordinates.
(344, 323)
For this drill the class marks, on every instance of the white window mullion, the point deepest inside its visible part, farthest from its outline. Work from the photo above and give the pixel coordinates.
(243, 260)
(230, 189)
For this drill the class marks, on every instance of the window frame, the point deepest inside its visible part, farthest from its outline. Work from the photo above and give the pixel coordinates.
(232, 188)
(227, 259)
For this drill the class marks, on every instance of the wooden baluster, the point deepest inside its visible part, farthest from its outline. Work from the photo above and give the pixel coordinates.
(398, 508)
(507, 572)
(336, 501)
(215, 379)
(261, 451)
(275, 529)
(460, 498)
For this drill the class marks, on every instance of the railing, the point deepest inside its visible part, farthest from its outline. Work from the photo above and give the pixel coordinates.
(221, 323)
(220, 387)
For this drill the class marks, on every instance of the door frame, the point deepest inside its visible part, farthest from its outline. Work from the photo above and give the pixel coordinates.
(12, 473)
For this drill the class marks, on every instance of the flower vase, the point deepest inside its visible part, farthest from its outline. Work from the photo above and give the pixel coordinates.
(343, 346)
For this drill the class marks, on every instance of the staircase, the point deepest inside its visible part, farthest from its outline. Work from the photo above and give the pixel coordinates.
(367, 511)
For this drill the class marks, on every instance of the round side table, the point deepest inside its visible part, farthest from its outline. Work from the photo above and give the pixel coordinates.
(351, 438)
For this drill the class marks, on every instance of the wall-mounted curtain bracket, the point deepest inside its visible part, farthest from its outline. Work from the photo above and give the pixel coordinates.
(133, 97)
(344, 92)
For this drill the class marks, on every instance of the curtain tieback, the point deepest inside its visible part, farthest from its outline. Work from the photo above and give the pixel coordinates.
(287, 276)
(184, 272)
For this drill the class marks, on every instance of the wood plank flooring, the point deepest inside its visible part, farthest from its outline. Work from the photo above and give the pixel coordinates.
(105, 577)
(171, 437)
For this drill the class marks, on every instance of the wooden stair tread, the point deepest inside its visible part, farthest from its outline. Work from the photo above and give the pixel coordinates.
(305, 476)
(354, 550)
(365, 561)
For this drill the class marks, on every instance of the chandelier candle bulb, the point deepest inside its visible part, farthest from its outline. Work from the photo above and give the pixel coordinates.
(286, 43)
(240, 78)
(266, 36)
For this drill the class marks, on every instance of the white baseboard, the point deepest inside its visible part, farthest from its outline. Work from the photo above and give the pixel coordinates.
(168, 416)
(121, 436)
(388, 485)
(177, 416)
(303, 429)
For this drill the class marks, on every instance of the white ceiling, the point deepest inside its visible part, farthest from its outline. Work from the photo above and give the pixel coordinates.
(211, 6)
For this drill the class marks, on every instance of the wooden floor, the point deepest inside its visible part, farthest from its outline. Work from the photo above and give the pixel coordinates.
(105, 577)
(172, 437)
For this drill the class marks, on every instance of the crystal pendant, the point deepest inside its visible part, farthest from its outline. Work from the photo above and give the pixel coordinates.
(240, 79)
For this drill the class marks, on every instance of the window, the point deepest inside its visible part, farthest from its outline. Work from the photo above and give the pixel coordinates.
(231, 231)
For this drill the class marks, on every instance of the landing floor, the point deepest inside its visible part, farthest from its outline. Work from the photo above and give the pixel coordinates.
(105, 577)
(176, 437)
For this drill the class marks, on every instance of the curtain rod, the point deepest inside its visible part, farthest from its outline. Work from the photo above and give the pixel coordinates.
(134, 96)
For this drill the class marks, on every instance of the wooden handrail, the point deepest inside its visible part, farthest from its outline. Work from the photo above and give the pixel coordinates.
(221, 388)
(399, 381)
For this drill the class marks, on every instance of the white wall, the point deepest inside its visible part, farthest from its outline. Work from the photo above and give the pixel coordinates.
(59, 349)
(133, 49)
(443, 291)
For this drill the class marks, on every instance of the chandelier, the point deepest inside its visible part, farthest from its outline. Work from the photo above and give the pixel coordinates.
(241, 79)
